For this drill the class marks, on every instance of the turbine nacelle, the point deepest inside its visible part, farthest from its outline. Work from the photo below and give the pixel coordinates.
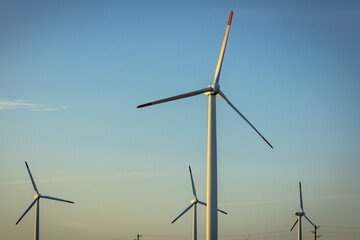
(215, 88)
(193, 201)
(299, 214)
(37, 196)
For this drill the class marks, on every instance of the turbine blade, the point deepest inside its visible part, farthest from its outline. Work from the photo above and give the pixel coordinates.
(222, 95)
(301, 202)
(56, 199)
(32, 204)
(202, 203)
(222, 211)
(222, 51)
(309, 220)
(183, 212)
(192, 183)
(294, 224)
(185, 95)
(32, 180)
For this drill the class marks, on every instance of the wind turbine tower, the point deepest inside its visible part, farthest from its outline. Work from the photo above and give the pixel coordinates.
(211, 91)
(300, 215)
(193, 205)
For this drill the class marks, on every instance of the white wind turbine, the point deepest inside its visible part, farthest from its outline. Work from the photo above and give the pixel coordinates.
(211, 91)
(36, 201)
(193, 205)
(299, 215)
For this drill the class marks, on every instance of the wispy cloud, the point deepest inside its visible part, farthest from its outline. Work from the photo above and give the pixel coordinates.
(26, 105)
(319, 198)
(158, 174)
(23, 184)
(339, 197)
(248, 203)
(76, 225)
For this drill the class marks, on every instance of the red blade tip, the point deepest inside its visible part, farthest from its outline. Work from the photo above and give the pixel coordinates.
(268, 142)
(26, 164)
(230, 18)
(144, 105)
(189, 168)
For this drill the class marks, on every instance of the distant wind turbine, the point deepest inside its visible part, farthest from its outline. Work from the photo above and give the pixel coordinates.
(36, 201)
(193, 205)
(299, 215)
(211, 91)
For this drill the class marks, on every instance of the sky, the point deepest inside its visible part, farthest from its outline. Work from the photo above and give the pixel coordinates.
(73, 72)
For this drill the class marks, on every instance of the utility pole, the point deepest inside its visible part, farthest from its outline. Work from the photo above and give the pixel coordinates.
(137, 237)
(316, 236)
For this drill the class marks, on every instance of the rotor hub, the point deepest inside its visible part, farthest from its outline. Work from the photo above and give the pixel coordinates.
(299, 214)
(215, 88)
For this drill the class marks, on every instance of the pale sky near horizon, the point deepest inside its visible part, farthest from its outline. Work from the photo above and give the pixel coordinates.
(73, 72)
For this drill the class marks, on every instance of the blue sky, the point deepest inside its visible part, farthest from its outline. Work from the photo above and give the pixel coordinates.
(72, 74)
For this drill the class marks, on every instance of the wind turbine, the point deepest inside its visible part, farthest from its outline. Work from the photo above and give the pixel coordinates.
(193, 205)
(211, 91)
(36, 201)
(299, 215)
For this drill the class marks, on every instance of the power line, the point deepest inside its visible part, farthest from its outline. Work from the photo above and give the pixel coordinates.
(255, 236)
(348, 233)
(341, 227)
(339, 237)
(265, 235)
